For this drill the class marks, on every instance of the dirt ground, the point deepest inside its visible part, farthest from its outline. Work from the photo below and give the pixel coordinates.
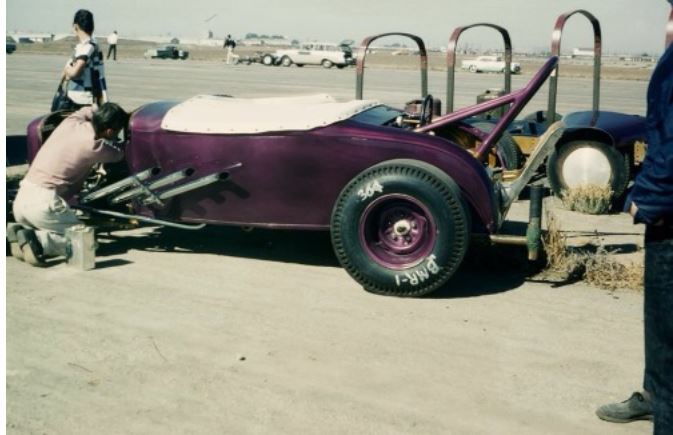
(231, 332)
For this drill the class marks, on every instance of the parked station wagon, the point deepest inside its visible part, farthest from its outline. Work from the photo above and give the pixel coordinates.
(326, 54)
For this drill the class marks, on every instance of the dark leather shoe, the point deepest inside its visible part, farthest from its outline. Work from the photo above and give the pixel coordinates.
(636, 407)
(13, 239)
(30, 247)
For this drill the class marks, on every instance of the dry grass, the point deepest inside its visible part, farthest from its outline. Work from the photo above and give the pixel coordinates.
(591, 263)
(590, 199)
(605, 272)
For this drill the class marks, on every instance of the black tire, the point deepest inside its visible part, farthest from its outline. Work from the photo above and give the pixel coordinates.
(508, 152)
(268, 60)
(300, 65)
(286, 61)
(619, 166)
(369, 217)
(327, 64)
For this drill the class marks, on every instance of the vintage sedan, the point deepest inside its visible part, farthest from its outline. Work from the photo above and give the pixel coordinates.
(400, 200)
(489, 64)
(166, 52)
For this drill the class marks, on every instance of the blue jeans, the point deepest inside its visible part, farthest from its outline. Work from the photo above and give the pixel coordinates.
(659, 332)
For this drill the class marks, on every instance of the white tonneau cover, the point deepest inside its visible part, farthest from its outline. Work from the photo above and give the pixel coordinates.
(226, 115)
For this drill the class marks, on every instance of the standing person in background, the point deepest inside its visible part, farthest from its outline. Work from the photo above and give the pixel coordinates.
(229, 46)
(651, 203)
(84, 74)
(112, 42)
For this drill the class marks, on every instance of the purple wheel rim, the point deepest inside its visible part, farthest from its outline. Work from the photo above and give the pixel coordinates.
(397, 231)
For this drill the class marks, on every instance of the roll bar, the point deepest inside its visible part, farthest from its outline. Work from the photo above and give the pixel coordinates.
(517, 101)
(362, 53)
(556, 51)
(451, 60)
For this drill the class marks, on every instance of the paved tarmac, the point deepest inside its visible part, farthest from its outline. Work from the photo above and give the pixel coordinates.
(32, 79)
(224, 331)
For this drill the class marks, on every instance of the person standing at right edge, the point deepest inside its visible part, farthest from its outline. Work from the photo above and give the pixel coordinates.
(651, 202)
(84, 73)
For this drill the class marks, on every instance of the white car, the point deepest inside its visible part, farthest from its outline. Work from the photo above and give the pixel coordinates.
(326, 54)
(489, 64)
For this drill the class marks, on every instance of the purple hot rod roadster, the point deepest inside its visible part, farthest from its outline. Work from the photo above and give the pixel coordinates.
(400, 199)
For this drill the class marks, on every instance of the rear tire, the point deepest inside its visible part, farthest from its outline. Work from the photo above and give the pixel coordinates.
(400, 228)
(326, 63)
(584, 162)
(286, 61)
(267, 60)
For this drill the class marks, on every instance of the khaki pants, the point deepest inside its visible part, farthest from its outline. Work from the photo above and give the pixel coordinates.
(43, 210)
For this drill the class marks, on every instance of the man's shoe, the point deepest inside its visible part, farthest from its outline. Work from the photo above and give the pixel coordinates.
(636, 407)
(12, 237)
(30, 247)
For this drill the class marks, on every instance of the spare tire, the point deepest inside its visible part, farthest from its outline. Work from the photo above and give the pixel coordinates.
(584, 162)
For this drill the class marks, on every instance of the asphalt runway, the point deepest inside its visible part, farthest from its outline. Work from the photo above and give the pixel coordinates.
(226, 331)
(32, 80)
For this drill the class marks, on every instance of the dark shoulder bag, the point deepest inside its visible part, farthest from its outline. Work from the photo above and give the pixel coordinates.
(61, 101)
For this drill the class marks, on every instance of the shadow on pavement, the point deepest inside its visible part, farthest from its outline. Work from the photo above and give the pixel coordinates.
(303, 247)
(486, 269)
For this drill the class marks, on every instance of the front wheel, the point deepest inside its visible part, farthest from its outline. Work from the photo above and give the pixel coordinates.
(326, 63)
(585, 162)
(400, 228)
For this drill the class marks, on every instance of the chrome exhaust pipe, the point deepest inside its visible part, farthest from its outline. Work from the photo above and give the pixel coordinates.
(201, 182)
(165, 181)
(140, 218)
(122, 184)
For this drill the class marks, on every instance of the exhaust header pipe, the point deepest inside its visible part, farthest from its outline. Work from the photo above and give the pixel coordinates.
(201, 182)
(122, 184)
(165, 181)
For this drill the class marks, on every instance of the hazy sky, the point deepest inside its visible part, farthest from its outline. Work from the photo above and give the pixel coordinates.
(628, 25)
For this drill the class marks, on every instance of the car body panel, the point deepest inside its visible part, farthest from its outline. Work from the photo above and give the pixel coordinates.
(290, 179)
(624, 129)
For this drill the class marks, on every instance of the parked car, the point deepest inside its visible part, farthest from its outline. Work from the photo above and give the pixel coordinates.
(399, 198)
(10, 45)
(326, 54)
(166, 52)
(489, 64)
